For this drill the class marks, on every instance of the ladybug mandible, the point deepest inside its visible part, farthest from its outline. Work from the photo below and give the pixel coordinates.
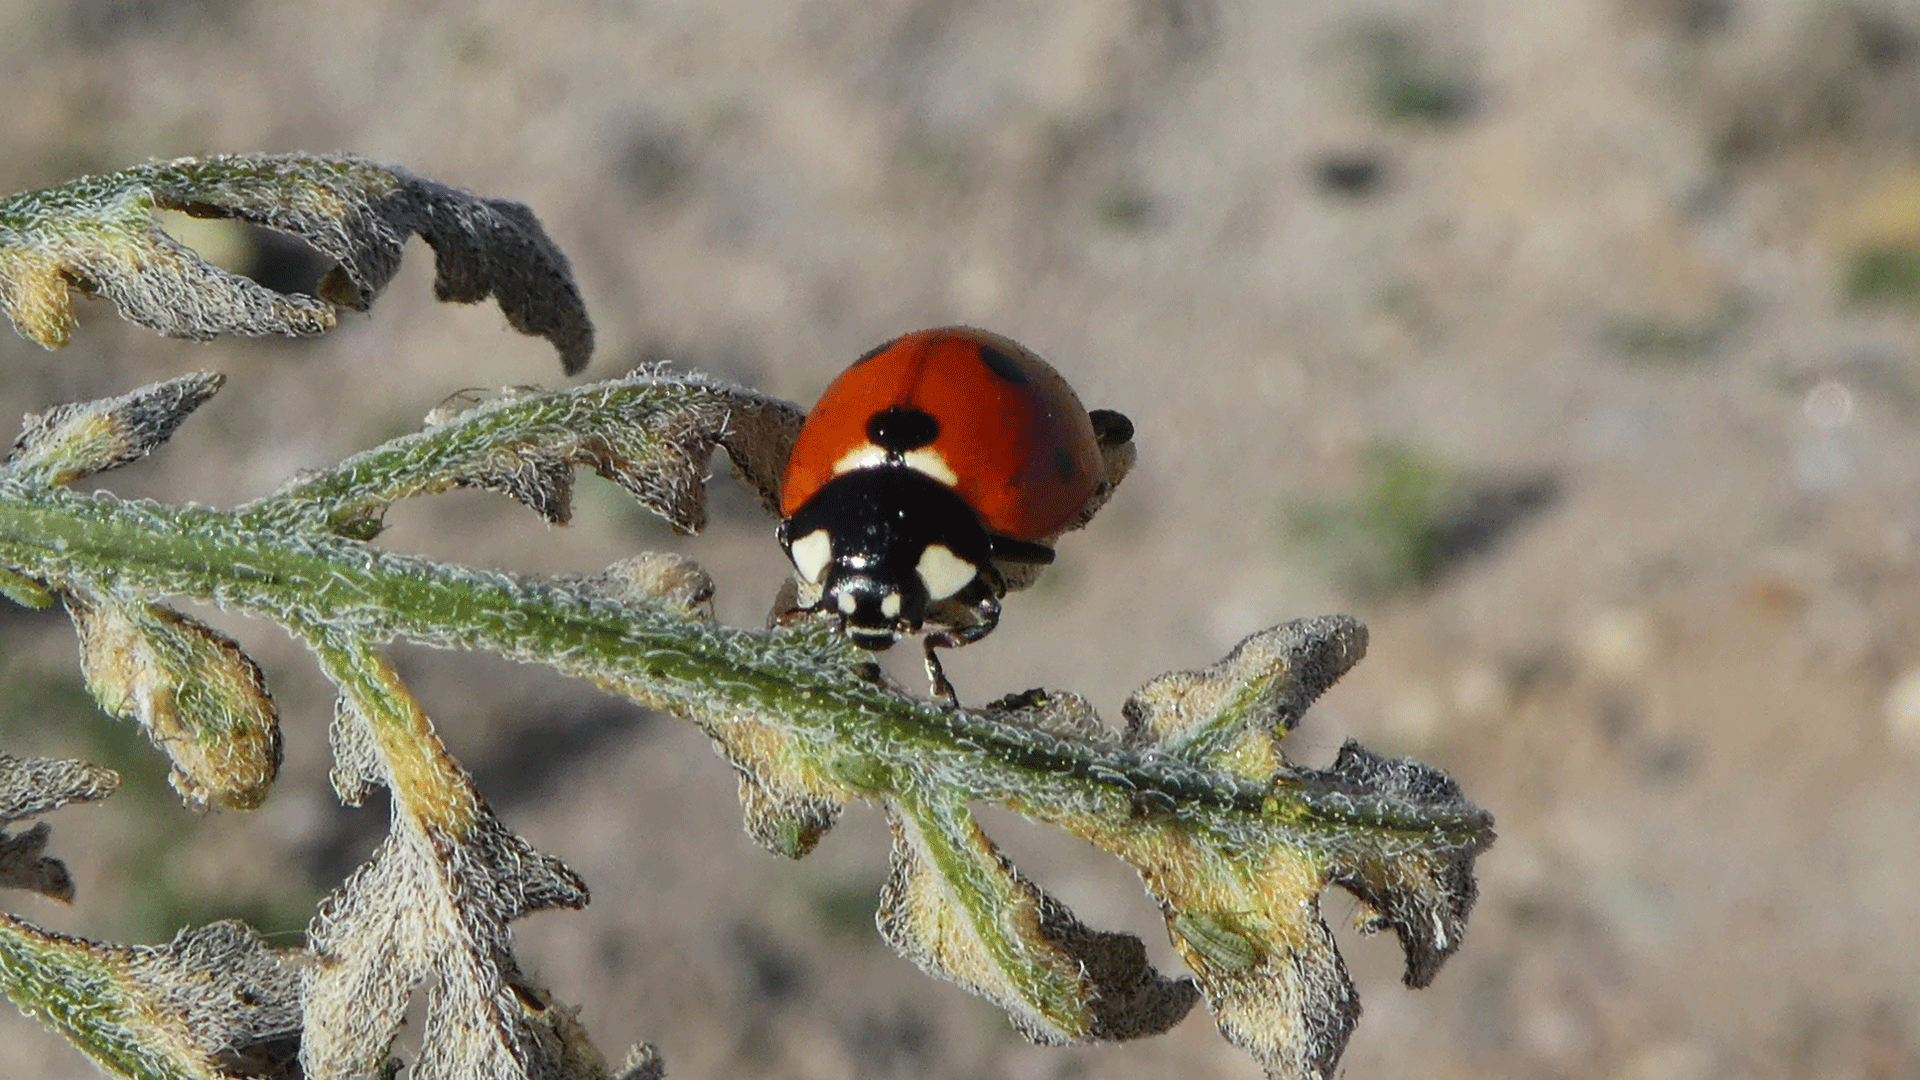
(933, 469)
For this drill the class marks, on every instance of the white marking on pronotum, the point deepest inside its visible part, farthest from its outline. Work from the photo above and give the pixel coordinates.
(848, 602)
(924, 461)
(864, 456)
(943, 572)
(890, 605)
(811, 554)
(933, 464)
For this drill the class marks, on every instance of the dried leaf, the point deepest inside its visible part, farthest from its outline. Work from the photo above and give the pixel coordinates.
(199, 698)
(429, 906)
(1424, 889)
(787, 810)
(650, 432)
(532, 476)
(759, 437)
(655, 578)
(68, 442)
(955, 906)
(1233, 715)
(1056, 712)
(1245, 916)
(643, 1062)
(1243, 908)
(216, 1003)
(30, 787)
(357, 765)
(432, 906)
(23, 865)
(663, 461)
(98, 234)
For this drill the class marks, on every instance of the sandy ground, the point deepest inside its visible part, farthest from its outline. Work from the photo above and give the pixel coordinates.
(1594, 250)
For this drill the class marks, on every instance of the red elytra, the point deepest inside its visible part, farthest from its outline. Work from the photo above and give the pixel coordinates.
(1014, 439)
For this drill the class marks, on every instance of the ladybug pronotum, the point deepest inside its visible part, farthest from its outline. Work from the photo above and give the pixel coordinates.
(931, 471)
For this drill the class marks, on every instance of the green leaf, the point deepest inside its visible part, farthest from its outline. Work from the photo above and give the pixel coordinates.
(213, 1004)
(955, 906)
(24, 590)
(198, 697)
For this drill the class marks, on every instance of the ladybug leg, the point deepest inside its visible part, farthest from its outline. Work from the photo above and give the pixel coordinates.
(1007, 549)
(790, 605)
(787, 608)
(942, 689)
(986, 610)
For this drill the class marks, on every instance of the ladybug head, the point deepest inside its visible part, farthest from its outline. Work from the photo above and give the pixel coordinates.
(882, 544)
(877, 610)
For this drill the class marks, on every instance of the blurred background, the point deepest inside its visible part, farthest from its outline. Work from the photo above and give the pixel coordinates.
(1572, 346)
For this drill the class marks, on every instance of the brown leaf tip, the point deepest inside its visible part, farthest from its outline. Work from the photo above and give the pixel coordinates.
(1425, 902)
(68, 442)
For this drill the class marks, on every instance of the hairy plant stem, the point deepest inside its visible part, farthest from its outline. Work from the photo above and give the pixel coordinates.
(808, 685)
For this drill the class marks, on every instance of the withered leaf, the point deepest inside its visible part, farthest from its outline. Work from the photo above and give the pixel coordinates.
(787, 812)
(432, 907)
(98, 234)
(1232, 715)
(30, 787)
(24, 864)
(215, 1002)
(654, 577)
(1422, 891)
(955, 905)
(651, 432)
(68, 442)
(1243, 907)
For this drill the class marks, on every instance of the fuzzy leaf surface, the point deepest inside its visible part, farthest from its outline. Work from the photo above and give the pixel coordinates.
(68, 442)
(214, 1004)
(200, 699)
(1233, 842)
(432, 906)
(650, 432)
(955, 905)
(98, 234)
(1246, 858)
(30, 787)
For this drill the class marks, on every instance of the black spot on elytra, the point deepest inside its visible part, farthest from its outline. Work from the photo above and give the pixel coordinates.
(1003, 365)
(1064, 466)
(902, 428)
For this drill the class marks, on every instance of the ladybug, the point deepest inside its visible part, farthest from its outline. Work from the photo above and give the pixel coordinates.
(935, 468)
